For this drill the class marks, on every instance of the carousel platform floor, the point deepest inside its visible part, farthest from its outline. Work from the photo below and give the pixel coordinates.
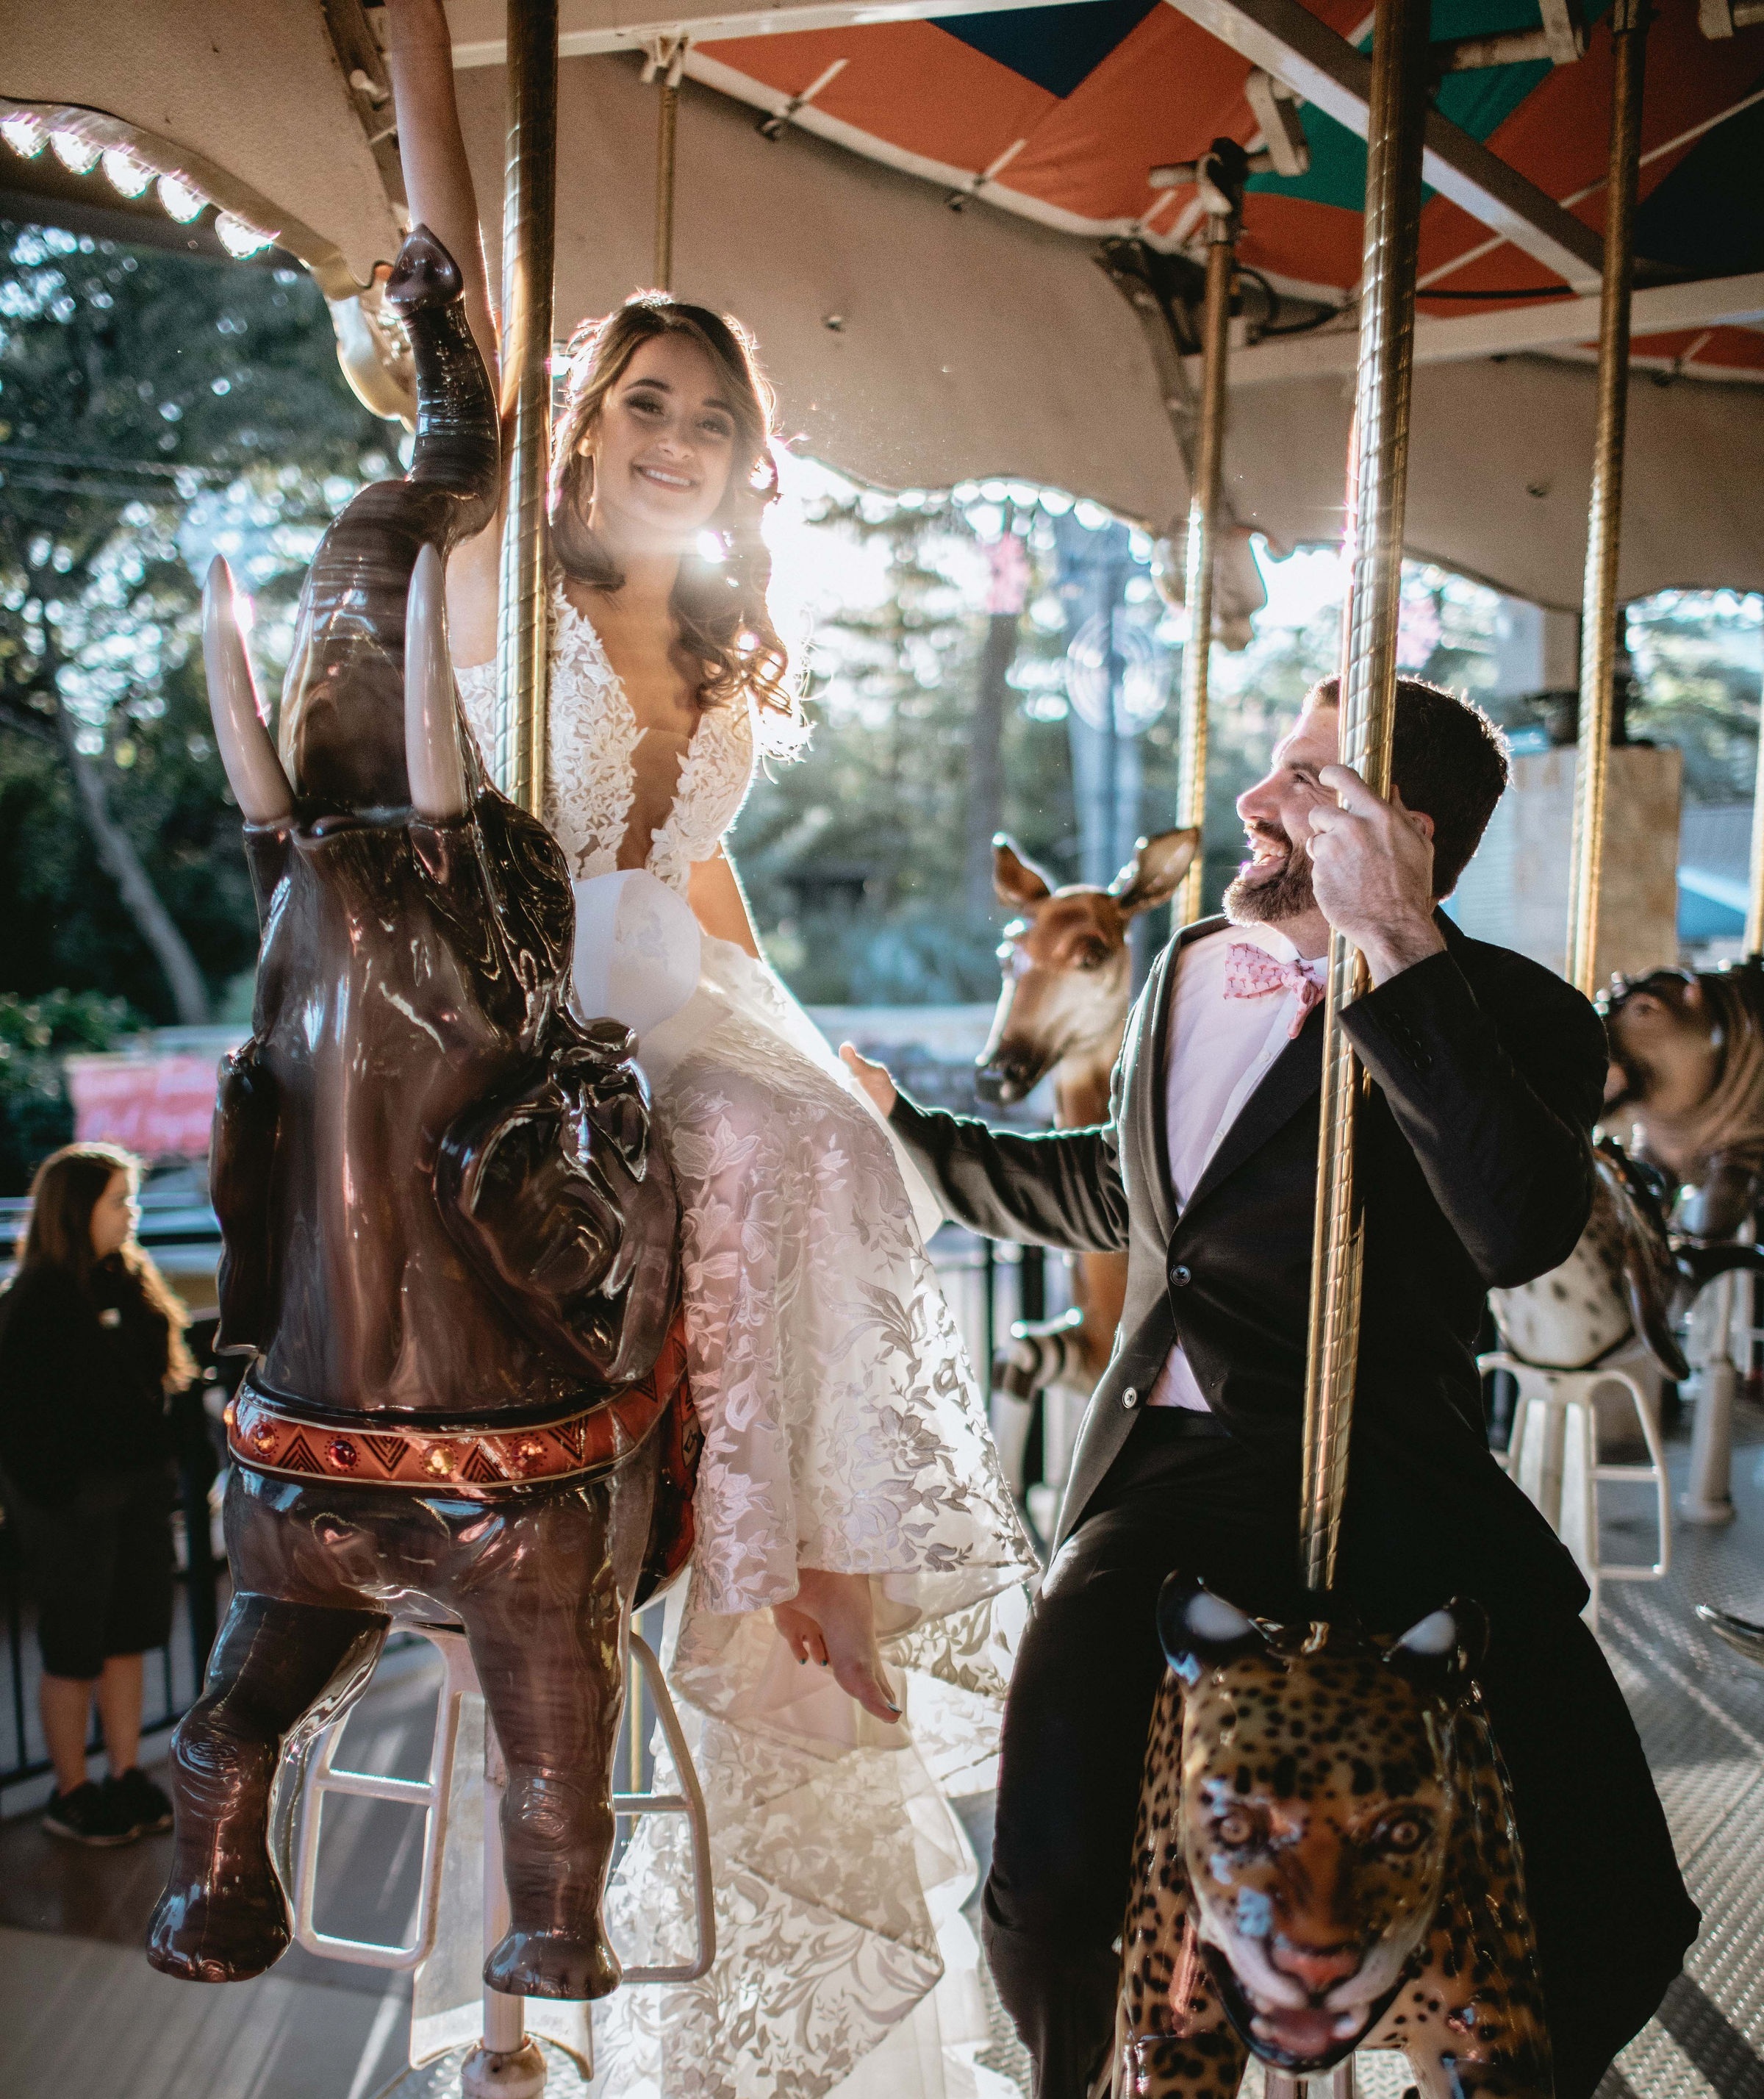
(82, 2016)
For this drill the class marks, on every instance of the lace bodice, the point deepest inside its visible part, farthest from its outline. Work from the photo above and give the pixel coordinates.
(593, 752)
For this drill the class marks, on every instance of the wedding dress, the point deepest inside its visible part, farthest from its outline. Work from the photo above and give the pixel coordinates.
(842, 1430)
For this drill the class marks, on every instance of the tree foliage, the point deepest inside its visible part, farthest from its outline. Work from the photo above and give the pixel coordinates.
(152, 407)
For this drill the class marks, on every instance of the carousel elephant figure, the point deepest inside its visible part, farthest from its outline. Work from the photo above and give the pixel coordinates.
(449, 1243)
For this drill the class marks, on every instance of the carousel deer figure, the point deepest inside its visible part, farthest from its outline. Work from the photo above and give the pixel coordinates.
(1063, 1009)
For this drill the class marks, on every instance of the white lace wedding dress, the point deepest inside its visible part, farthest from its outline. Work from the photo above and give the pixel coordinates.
(843, 1430)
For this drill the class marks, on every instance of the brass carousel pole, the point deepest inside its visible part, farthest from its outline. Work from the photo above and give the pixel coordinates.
(1599, 611)
(666, 63)
(1754, 908)
(529, 243)
(1378, 475)
(506, 2062)
(1220, 174)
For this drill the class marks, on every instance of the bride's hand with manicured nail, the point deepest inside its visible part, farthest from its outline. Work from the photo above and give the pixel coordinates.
(831, 1622)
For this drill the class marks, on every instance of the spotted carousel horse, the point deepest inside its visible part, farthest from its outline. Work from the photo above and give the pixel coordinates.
(1326, 1860)
(1062, 1009)
(449, 1239)
(1687, 1078)
(1630, 1278)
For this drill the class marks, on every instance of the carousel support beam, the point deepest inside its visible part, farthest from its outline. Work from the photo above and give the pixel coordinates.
(1600, 609)
(530, 214)
(1376, 487)
(1657, 309)
(1220, 173)
(1285, 39)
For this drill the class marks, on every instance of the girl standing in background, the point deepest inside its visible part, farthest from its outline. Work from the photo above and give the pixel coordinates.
(93, 1342)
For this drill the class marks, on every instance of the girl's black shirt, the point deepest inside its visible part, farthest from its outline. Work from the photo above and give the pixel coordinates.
(82, 1381)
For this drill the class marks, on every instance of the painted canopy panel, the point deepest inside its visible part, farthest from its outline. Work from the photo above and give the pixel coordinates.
(919, 346)
(256, 89)
(1071, 107)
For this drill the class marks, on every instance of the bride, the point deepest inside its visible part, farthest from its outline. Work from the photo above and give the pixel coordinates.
(849, 1501)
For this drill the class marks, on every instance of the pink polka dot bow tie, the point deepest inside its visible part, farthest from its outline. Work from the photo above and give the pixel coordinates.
(1251, 972)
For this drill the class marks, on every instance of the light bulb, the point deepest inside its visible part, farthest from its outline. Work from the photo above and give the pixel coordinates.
(183, 203)
(239, 240)
(26, 134)
(78, 156)
(125, 173)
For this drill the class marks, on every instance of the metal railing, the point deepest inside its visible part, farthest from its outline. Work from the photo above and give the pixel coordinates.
(174, 1672)
(988, 1284)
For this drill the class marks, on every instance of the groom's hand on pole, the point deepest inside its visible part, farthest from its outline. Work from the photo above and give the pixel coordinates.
(872, 1078)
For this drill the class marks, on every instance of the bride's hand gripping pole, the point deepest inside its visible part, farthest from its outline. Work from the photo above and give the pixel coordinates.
(1377, 481)
(529, 247)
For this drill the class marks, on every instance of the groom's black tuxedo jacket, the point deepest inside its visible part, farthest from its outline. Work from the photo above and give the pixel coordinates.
(1475, 1166)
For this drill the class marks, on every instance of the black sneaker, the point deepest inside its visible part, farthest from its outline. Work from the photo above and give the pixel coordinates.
(89, 1815)
(143, 1808)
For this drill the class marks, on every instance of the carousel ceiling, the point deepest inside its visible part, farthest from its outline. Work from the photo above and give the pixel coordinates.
(915, 214)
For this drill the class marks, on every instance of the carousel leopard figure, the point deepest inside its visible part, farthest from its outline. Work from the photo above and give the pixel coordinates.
(1326, 1860)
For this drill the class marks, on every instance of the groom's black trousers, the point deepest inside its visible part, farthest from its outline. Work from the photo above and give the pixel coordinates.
(1611, 1914)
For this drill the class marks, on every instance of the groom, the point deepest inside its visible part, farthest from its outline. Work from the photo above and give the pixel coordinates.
(1474, 1167)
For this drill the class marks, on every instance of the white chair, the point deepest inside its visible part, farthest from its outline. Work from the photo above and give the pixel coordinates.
(1553, 1455)
(462, 1904)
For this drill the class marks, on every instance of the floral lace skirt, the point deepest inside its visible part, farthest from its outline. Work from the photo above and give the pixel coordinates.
(843, 1430)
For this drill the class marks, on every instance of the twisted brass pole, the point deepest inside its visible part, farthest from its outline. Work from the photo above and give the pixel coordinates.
(1754, 910)
(529, 194)
(1378, 468)
(668, 56)
(1201, 553)
(1598, 609)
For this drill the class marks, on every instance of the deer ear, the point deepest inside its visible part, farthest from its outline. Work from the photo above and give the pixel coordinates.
(1155, 872)
(1018, 880)
(1198, 1630)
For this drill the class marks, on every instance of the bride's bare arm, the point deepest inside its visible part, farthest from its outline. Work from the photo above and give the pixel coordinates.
(717, 902)
(438, 180)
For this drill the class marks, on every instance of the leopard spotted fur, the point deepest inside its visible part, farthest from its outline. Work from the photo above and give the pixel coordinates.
(1325, 1821)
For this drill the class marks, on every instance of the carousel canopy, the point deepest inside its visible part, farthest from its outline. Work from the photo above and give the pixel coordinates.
(950, 239)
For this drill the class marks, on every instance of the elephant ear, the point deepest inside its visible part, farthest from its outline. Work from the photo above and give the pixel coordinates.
(242, 1157)
(566, 1216)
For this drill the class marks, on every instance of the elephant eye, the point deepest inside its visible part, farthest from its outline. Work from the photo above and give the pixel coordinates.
(1404, 1833)
(1236, 1828)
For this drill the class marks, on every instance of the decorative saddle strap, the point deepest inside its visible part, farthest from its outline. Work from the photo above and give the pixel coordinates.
(270, 1436)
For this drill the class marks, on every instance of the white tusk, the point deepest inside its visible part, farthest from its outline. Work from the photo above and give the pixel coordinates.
(431, 712)
(254, 771)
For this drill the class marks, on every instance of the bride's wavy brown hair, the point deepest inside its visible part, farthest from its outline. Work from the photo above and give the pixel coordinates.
(724, 619)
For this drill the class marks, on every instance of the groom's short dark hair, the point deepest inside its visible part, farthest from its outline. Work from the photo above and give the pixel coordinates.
(1448, 760)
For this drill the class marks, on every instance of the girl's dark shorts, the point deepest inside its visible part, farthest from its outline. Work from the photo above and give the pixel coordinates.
(101, 1570)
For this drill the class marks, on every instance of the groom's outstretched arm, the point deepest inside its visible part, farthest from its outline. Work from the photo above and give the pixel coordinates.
(1059, 1188)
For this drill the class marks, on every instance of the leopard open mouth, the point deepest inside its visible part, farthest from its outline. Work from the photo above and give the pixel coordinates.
(1304, 2040)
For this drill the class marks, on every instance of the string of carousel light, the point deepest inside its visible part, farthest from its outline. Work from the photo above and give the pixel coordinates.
(27, 135)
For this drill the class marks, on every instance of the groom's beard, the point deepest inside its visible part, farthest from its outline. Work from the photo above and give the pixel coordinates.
(1259, 897)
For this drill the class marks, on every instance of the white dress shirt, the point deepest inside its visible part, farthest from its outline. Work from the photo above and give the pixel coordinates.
(1220, 1051)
